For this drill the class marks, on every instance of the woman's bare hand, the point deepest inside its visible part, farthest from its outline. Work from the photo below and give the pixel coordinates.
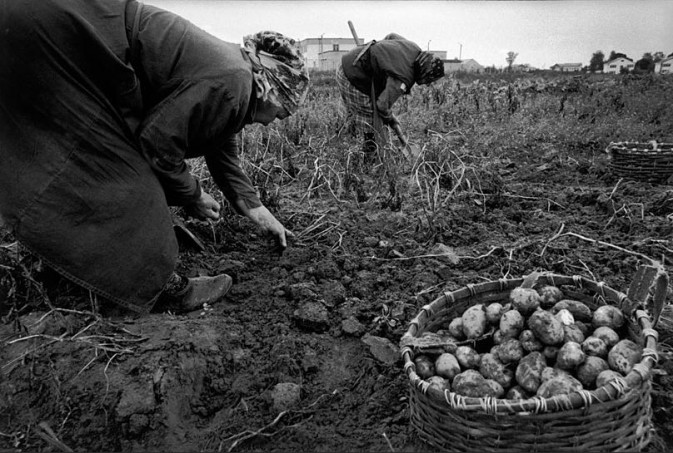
(270, 225)
(206, 207)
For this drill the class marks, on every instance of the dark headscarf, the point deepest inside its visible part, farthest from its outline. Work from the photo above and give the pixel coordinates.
(427, 68)
(278, 62)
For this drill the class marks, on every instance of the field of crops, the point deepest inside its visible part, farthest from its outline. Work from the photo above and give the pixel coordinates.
(302, 355)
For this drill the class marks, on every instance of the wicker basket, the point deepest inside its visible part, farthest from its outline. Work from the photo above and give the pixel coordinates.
(616, 417)
(648, 161)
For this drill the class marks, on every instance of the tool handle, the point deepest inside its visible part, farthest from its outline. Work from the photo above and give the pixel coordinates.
(400, 135)
(355, 35)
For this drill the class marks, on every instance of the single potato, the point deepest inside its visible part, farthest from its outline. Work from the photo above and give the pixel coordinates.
(511, 323)
(549, 295)
(474, 322)
(447, 366)
(524, 300)
(624, 355)
(609, 316)
(588, 372)
(546, 327)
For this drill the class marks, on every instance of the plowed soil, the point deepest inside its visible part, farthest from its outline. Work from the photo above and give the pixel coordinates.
(326, 316)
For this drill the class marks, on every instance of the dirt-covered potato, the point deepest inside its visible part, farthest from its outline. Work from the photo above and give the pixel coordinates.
(424, 366)
(510, 351)
(552, 372)
(524, 300)
(546, 327)
(455, 328)
(528, 372)
(624, 355)
(517, 393)
(570, 355)
(565, 317)
(439, 383)
(580, 311)
(573, 333)
(549, 295)
(595, 346)
(608, 335)
(588, 371)
(493, 312)
(447, 366)
(550, 353)
(498, 336)
(528, 341)
(609, 316)
(492, 368)
(607, 376)
(467, 357)
(585, 327)
(498, 391)
(511, 323)
(559, 385)
(474, 322)
(471, 383)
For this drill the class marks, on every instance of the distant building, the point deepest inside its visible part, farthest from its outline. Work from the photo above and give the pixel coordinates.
(467, 65)
(664, 66)
(311, 48)
(441, 54)
(567, 67)
(525, 67)
(330, 59)
(618, 65)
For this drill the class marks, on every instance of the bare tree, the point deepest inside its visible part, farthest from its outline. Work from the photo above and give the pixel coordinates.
(511, 56)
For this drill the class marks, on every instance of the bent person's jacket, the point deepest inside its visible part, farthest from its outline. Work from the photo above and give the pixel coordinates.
(388, 64)
(99, 106)
(196, 90)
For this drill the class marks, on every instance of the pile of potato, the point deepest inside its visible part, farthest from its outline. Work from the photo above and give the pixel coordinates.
(539, 343)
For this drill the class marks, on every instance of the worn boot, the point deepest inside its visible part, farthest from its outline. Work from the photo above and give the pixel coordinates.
(188, 294)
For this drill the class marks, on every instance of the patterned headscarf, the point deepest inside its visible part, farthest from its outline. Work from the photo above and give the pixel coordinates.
(427, 68)
(278, 63)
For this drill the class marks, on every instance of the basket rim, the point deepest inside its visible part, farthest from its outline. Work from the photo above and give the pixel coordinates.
(651, 147)
(613, 390)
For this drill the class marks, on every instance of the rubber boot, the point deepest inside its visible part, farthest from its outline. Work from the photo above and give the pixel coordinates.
(194, 294)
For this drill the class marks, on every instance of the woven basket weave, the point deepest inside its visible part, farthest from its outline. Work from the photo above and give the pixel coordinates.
(616, 417)
(641, 161)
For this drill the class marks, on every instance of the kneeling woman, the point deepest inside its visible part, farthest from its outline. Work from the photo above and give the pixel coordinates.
(101, 103)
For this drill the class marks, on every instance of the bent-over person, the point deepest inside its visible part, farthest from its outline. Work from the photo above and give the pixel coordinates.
(374, 75)
(101, 103)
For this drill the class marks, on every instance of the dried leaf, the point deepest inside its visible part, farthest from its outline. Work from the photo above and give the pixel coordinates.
(446, 252)
(530, 280)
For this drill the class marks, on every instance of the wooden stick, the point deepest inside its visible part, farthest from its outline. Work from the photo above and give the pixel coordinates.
(355, 35)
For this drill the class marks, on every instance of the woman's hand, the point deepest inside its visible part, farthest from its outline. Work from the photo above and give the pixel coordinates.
(204, 208)
(269, 225)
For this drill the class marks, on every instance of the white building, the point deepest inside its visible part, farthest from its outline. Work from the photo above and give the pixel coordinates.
(617, 65)
(466, 65)
(312, 48)
(567, 67)
(329, 60)
(664, 66)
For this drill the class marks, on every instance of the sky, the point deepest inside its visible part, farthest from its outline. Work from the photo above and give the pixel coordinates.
(542, 33)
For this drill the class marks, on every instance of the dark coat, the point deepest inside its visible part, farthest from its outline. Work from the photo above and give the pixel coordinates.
(386, 58)
(93, 133)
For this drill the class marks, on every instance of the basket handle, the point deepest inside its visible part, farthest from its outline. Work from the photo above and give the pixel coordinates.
(649, 280)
